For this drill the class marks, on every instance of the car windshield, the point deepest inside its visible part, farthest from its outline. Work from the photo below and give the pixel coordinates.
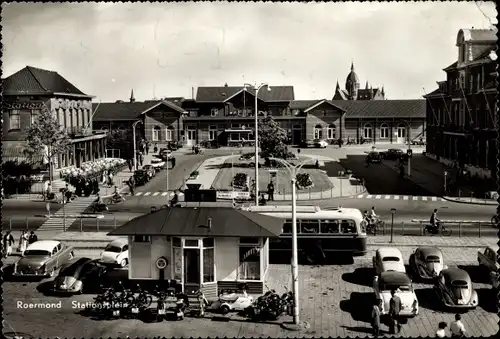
(390, 259)
(459, 284)
(432, 258)
(112, 248)
(390, 287)
(37, 253)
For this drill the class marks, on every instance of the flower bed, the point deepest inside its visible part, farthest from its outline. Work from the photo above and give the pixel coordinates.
(240, 181)
(304, 181)
(93, 168)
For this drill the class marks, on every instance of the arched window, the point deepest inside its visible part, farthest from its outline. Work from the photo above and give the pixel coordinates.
(401, 131)
(384, 131)
(368, 131)
(331, 131)
(169, 133)
(318, 132)
(156, 133)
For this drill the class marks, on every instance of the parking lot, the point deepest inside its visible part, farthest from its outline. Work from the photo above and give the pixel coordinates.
(335, 300)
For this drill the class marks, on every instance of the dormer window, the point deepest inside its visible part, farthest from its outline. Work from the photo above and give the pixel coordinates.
(214, 112)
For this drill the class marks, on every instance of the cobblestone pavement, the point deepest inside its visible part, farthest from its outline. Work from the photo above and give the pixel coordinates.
(336, 300)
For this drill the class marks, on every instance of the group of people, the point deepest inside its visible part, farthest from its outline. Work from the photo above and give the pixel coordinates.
(370, 218)
(24, 240)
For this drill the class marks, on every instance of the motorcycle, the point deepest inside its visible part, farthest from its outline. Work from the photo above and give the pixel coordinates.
(98, 208)
(202, 302)
(161, 306)
(116, 199)
(271, 306)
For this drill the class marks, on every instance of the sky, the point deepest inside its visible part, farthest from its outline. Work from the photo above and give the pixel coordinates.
(166, 49)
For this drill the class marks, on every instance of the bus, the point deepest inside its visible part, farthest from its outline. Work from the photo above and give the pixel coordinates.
(337, 230)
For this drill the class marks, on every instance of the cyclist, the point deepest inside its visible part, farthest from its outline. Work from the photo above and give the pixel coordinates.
(117, 196)
(434, 221)
(366, 217)
(373, 215)
(100, 203)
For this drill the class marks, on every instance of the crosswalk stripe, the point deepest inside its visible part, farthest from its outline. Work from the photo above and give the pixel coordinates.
(164, 194)
(360, 196)
(387, 197)
(147, 193)
(434, 199)
(405, 197)
(378, 197)
(424, 198)
(138, 193)
(415, 198)
(396, 197)
(155, 194)
(441, 199)
(369, 196)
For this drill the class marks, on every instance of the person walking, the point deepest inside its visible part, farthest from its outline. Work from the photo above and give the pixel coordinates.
(110, 178)
(148, 145)
(8, 242)
(441, 332)
(131, 184)
(376, 317)
(270, 191)
(155, 149)
(32, 238)
(394, 309)
(23, 242)
(130, 164)
(457, 328)
(141, 158)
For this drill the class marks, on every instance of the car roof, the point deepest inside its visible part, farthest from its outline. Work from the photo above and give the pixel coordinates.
(43, 245)
(394, 278)
(119, 242)
(395, 149)
(429, 250)
(455, 273)
(389, 252)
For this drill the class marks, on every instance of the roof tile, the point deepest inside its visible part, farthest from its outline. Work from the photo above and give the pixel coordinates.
(219, 94)
(382, 108)
(126, 110)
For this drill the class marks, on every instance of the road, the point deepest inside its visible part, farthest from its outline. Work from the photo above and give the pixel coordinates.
(335, 300)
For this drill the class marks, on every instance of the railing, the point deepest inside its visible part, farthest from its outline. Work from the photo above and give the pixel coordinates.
(462, 227)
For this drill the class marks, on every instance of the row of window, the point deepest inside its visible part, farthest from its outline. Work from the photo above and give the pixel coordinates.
(169, 133)
(321, 226)
(68, 119)
(367, 131)
(15, 118)
(462, 115)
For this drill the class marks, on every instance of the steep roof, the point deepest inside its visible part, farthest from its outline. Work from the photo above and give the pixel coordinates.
(193, 221)
(219, 94)
(483, 35)
(107, 111)
(32, 80)
(302, 104)
(382, 108)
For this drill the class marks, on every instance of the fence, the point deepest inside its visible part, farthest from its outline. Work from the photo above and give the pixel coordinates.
(109, 223)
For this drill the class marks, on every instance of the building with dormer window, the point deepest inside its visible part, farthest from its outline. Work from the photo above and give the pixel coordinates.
(353, 91)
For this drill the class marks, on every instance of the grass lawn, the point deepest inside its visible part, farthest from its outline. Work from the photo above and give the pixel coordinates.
(282, 183)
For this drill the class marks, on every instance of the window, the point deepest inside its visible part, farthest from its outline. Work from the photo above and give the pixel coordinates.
(318, 132)
(401, 131)
(309, 226)
(212, 132)
(471, 82)
(367, 131)
(84, 121)
(235, 126)
(384, 131)
(190, 242)
(329, 226)
(478, 82)
(156, 133)
(331, 131)
(169, 134)
(35, 113)
(14, 120)
(249, 259)
(348, 227)
(208, 260)
(214, 112)
(59, 247)
(142, 238)
(287, 227)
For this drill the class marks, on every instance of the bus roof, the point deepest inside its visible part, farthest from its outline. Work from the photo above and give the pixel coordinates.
(308, 212)
(283, 209)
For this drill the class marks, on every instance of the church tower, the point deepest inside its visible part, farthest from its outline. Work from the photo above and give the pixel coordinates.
(352, 84)
(132, 99)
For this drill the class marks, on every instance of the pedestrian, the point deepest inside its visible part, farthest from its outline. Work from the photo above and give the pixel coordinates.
(394, 309)
(457, 328)
(48, 191)
(148, 145)
(131, 184)
(155, 149)
(441, 333)
(270, 191)
(32, 238)
(141, 159)
(376, 317)
(23, 242)
(110, 178)
(8, 242)
(130, 164)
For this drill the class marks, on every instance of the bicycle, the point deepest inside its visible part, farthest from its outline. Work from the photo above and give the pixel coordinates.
(374, 227)
(431, 230)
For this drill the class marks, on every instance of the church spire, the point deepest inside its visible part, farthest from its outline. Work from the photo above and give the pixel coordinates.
(132, 99)
(366, 86)
(352, 65)
(338, 86)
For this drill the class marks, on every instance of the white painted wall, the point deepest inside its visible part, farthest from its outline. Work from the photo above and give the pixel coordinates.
(139, 259)
(226, 258)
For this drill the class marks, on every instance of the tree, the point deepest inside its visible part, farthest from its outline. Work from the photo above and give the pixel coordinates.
(272, 139)
(121, 139)
(45, 138)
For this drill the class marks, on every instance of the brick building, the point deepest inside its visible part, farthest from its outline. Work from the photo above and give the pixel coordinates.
(461, 113)
(26, 93)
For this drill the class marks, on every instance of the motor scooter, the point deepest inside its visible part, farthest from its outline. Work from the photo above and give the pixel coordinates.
(232, 301)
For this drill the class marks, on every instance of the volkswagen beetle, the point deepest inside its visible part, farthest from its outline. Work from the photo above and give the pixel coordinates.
(427, 262)
(83, 274)
(401, 284)
(454, 288)
(388, 259)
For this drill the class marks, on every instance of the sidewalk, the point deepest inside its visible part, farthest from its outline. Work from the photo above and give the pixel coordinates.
(208, 171)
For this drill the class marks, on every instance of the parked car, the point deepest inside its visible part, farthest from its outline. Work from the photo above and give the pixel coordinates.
(393, 154)
(141, 177)
(401, 283)
(488, 259)
(318, 143)
(157, 164)
(246, 156)
(165, 154)
(374, 157)
(427, 262)
(42, 258)
(307, 143)
(83, 274)
(388, 259)
(150, 170)
(454, 289)
(115, 253)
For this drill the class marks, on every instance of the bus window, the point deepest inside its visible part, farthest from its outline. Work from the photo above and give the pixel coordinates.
(330, 226)
(348, 226)
(287, 227)
(309, 226)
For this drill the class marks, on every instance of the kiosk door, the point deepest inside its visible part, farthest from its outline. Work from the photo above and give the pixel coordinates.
(191, 269)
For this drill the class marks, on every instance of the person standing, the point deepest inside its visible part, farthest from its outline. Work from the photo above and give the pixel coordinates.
(23, 242)
(441, 333)
(32, 238)
(394, 309)
(457, 328)
(376, 317)
(8, 242)
(130, 164)
(131, 184)
(148, 145)
(270, 191)
(141, 158)
(155, 149)
(110, 178)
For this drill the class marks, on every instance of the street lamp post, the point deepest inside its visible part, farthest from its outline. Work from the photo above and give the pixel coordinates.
(256, 136)
(393, 210)
(134, 142)
(409, 151)
(445, 175)
(293, 170)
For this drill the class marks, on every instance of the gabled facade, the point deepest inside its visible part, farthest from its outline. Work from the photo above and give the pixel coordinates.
(461, 112)
(26, 93)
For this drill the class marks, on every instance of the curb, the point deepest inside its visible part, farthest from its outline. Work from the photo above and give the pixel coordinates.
(469, 202)
(71, 216)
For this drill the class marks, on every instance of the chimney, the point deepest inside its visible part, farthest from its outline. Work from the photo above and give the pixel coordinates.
(209, 225)
(132, 99)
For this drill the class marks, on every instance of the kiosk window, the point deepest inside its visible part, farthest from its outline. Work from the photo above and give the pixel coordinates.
(142, 238)
(191, 242)
(176, 242)
(208, 265)
(330, 226)
(348, 226)
(309, 226)
(249, 268)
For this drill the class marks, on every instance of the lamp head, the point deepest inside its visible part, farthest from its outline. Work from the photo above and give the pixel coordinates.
(393, 210)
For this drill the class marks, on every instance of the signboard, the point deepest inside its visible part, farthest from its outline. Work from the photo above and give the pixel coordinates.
(200, 195)
(233, 195)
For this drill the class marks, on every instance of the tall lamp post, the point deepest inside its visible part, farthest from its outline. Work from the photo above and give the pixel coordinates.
(393, 210)
(409, 151)
(295, 261)
(134, 142)
(256, 135)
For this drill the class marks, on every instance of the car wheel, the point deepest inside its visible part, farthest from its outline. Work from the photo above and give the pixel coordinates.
(123, 263)
(224, 309)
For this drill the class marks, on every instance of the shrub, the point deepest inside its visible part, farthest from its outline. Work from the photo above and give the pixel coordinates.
(304, 180)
